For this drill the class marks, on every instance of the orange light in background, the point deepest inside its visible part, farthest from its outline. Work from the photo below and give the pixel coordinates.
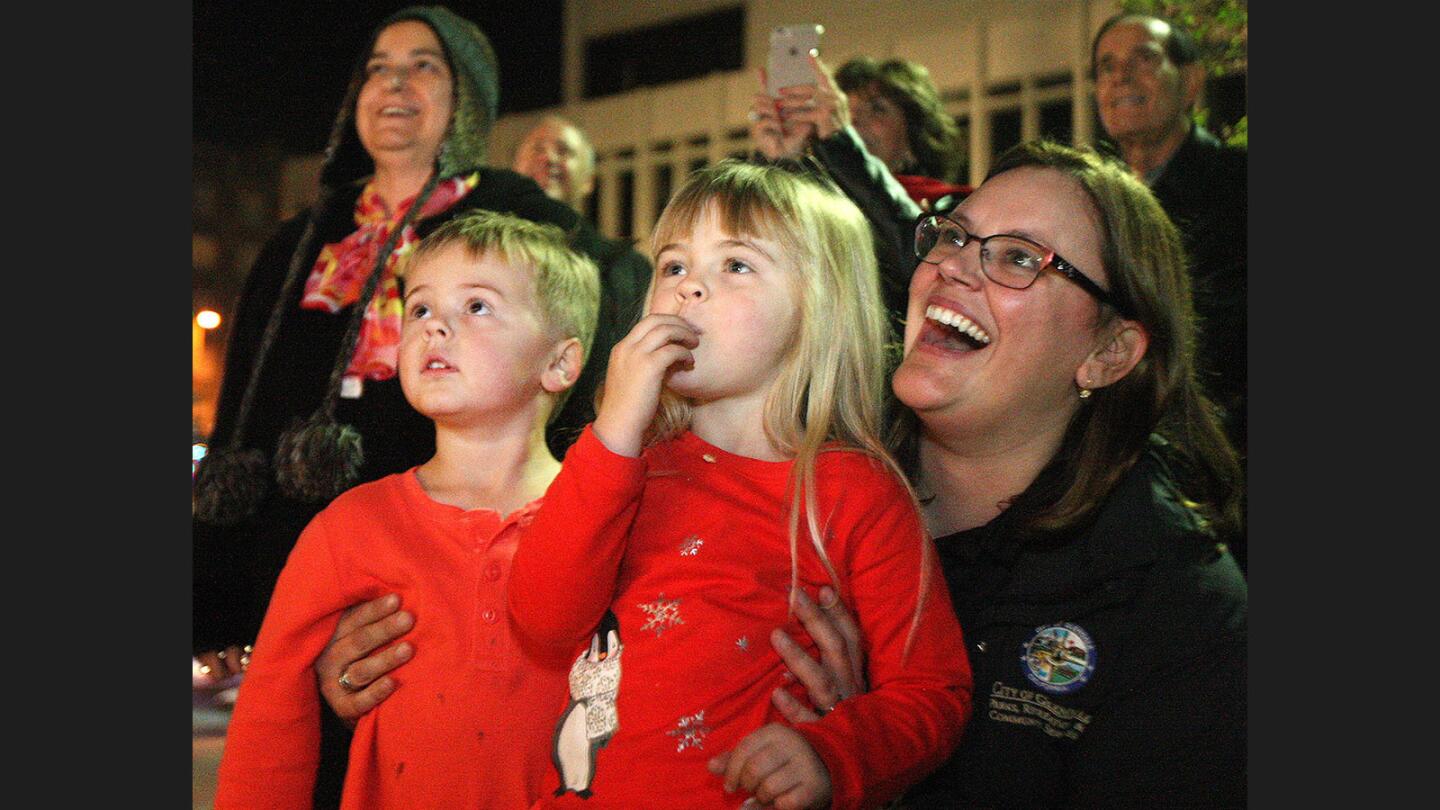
(205, 371)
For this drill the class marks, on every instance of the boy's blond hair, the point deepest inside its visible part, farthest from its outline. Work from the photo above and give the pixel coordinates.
(567, 283)
(829, 394)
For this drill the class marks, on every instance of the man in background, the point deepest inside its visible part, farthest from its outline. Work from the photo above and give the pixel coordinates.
(557, 155)
(1148, 78)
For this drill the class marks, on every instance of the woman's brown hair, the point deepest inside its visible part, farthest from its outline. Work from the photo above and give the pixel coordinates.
(1160, 401)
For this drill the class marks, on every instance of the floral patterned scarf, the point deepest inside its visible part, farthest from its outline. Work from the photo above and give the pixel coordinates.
(341, 270)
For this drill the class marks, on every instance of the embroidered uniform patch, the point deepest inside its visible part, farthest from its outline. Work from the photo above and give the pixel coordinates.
(1059, 658)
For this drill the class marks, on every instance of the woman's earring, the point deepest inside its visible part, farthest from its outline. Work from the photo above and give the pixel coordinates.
(1085, 391)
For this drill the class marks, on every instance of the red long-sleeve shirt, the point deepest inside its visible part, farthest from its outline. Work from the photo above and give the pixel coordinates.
(688, 545)
(470, 723)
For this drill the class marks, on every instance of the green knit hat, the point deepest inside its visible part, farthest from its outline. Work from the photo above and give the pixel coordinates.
(477, 99)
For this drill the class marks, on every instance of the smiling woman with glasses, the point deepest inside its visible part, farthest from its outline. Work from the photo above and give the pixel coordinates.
(1079, 489)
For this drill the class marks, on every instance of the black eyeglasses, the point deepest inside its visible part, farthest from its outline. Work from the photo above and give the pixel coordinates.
(1008, 260)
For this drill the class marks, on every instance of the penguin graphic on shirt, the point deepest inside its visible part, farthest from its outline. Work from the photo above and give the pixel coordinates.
(589, 719)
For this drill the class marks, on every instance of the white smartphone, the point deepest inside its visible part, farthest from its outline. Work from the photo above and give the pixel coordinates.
(789, 62)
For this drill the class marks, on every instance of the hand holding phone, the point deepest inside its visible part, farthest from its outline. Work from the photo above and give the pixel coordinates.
(789, 64)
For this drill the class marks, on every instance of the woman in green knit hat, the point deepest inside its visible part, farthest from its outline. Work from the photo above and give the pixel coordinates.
(310, 403)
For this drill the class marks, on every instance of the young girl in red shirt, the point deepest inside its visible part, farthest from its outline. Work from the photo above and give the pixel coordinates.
(735, 462)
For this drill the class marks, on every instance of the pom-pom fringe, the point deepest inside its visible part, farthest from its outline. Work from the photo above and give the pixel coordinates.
(318, 460)
(228, 486)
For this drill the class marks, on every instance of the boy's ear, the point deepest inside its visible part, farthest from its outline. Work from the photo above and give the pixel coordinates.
(1115, 357)
(563, 367)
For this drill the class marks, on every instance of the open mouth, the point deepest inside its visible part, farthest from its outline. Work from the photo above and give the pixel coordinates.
(399, 112)
(949, 329)
(437, 364)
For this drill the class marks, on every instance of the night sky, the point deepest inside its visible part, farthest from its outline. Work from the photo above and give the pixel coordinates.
(276, 72)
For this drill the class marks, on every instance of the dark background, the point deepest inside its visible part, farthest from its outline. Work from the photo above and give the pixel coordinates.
(273, 72)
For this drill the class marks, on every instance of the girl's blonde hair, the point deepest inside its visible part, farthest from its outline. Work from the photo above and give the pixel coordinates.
(830, 392)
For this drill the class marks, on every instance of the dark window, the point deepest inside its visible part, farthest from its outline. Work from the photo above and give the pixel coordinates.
(1052, 80)
(1055, 120)
(681, 49)
(624, 227)
(664, 182)
(1004, 130)
(592, 205)
(962, 145)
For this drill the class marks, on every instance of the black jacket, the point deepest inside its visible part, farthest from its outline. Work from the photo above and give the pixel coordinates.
(235, 567)
(1204, 189)
(1147, 708)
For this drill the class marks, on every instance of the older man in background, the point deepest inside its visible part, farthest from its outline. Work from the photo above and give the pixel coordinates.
(1148, 78)
(557, 155)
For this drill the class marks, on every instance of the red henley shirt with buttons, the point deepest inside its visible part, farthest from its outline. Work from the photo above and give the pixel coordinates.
(470, 723)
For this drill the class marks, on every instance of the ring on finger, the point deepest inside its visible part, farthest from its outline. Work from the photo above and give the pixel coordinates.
(345, 682)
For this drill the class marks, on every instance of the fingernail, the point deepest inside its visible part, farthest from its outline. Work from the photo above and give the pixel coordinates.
(404, 620)
(404, 650)
(392, 601)
(828, 597)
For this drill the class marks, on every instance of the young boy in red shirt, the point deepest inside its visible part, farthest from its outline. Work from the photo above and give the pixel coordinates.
(499, 315)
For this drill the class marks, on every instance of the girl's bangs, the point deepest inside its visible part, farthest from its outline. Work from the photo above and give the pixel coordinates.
(746, 207)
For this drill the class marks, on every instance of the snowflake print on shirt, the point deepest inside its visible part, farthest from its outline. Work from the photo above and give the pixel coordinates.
(664, 613)
(691, 546)
(691, 730)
